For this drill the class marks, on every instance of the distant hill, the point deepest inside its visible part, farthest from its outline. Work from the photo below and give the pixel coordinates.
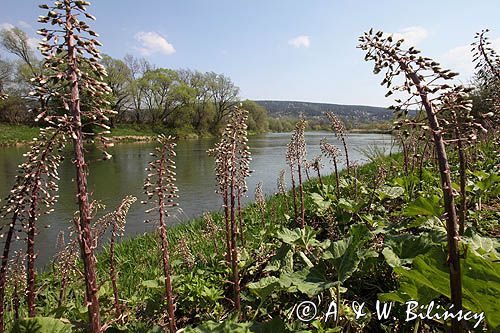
(355, 114)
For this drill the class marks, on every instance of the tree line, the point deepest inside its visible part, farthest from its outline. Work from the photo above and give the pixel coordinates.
(141, 92)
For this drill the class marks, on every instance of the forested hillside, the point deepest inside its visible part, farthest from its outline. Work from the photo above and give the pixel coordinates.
(352, 113)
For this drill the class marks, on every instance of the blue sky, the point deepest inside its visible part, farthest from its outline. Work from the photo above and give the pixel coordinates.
(284, 50)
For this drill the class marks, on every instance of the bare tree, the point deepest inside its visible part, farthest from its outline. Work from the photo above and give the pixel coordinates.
(224, 96)
(118, 79)
(16, 41)
(138, 67)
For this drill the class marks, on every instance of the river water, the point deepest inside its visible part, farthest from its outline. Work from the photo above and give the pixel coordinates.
(124, 174)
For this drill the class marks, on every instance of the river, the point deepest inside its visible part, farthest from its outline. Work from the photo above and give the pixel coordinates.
(124, 174)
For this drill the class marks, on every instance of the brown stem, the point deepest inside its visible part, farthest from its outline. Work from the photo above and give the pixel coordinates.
(3, 269)
(405, 156)
(234, 252)
(112, 270)
(449, 204)
(337, 180)
(319, 177)
(62, 288)
(166, 270)
(16, 302)
(30, 251)
(301, 192)
(463, 181)
(294, 193)
(85, 236)
(227, 225)
(164, 248)
(240, 218)
(346, 154)
(263, 216)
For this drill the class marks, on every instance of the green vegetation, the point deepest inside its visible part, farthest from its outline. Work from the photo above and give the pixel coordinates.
(13, 134)
(417, 229)
(377, 233)
(187, 103)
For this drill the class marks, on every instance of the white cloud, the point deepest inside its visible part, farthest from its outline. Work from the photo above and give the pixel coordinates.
(459, 59)
(300, 41)
(412, 35)
(6, 26)
(33, 42)
(152, 42)
(24, 24)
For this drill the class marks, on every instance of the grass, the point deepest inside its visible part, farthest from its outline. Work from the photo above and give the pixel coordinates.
(12, 134)
(15, 134)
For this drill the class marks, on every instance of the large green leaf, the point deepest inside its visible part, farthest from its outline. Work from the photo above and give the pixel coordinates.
(402, 249)
(42, 325)
(429, 277)
(302, 237)
(390, 192)
(486, 247)
(288, 236)
(346, 254)
(265, 286)
(425, 206)
(275, 325)
(322, 204)
(282, 261)
(309, 281)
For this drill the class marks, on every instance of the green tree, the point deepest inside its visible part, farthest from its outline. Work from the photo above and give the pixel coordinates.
(257, 119)
(163, 94)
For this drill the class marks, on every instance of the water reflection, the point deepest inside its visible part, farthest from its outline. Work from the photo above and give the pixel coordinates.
(124, 174)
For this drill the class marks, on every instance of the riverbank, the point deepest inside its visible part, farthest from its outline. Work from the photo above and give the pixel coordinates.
(379, 223)
(19, 135)
(22, 135)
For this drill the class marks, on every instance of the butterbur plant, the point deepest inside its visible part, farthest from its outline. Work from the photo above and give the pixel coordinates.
(212, 229)
(260, 200)
(17, 279)
(316, 165)
(183, 251)
(487, 65)
(281, 186)
(339, 130)
(33, 195)
(232, 161)
(116, 222)
(332, 152)
(222, 177)
(160, 187)
(290, 160)
(71, 63)
(425, 84)
(65, 262)
(296, 159)
(487, 60)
